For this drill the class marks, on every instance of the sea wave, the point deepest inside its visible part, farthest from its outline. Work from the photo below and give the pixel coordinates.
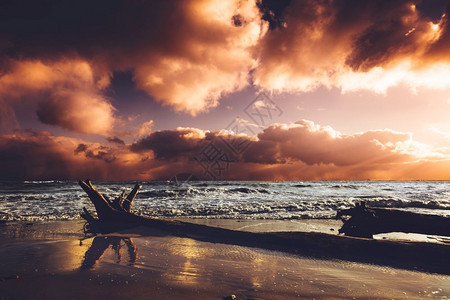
(42, 181)
(60, 200)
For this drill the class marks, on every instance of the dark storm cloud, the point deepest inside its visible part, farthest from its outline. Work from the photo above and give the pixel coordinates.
(185, 54)
(441, 48)
(121, 32)
(301, 150)
(41, 155)
(278, 144)
(48, 28)
(80, 148)
(33, 156)
(115, 140)
(183, 143)
(338, 44)
(396, 30)
(99, 152)
(189, 54)
(115, 32)
(273, 11)
(432, 9)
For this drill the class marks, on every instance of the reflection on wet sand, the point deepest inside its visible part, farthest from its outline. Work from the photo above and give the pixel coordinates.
(188, 272)
(101, 243)
(139, 263)
(202, 267)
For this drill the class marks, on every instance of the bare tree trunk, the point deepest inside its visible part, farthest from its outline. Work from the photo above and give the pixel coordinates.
(366, 221)
(117, 215)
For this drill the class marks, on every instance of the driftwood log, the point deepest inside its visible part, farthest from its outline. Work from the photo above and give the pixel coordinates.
(366, 221)
(117, 215)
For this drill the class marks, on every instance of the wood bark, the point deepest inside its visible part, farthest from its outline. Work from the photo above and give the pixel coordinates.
(366, 221)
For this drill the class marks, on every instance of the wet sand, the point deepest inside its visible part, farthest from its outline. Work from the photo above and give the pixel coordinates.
(51, 263)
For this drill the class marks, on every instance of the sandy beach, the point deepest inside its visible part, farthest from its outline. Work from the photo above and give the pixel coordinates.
(224, 149)
(53, 260)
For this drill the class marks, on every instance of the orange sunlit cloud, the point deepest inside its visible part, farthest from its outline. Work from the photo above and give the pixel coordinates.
(214, 48)
(375, 51)
(122, 94)
(68, 93)
(318, 44)
(301, 150)
(212, 57)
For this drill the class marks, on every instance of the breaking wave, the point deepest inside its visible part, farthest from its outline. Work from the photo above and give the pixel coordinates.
(62, 200)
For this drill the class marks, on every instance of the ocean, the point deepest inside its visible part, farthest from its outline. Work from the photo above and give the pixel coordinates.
(64, 200)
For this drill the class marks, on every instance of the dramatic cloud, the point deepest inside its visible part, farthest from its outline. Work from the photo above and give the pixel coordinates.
(68, 93)
(185, 54)
(115, 140)
(38, 155)
(182, 143)
(42, 156)
(353, 45)
(440, 49)
(188, 54)
(211, 57)
(316, 152)
(68, 71)
(296, 151)
(313, 144)
(99, 152)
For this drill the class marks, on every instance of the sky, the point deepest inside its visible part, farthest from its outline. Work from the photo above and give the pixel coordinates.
(225, 90)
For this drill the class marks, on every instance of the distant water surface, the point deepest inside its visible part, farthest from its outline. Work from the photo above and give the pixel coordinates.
(61, 200)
